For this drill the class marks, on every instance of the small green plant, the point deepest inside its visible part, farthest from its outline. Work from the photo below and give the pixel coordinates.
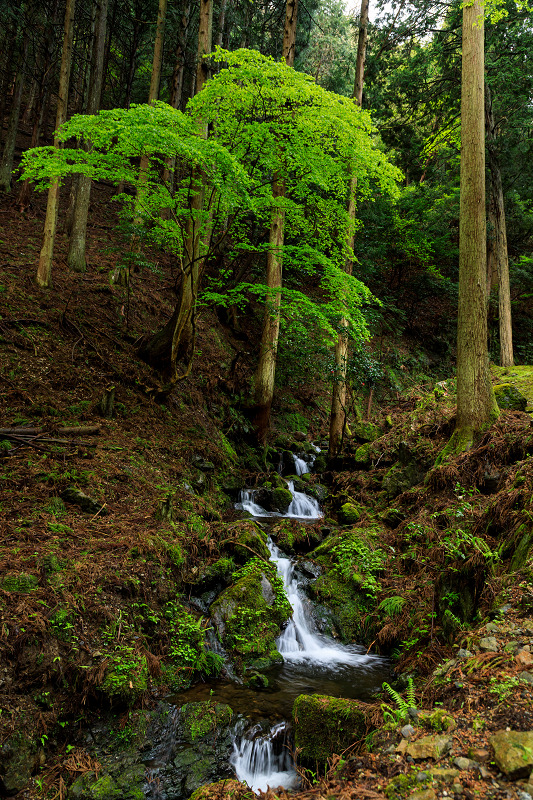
(391, 606)
(395, 716)
(503, 688)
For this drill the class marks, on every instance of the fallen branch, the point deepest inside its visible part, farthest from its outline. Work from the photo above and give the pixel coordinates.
(86, 430)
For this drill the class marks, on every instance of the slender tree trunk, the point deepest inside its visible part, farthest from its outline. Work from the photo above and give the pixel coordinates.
(78, 234)
(265, 374)
(498, 238)
(176, 340)
(44, 270)
(476, 405)
(153, 94)
(6, 164)
(338, 397)
(7, 73)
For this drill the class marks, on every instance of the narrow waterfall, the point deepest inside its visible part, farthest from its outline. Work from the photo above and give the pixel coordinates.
(263, 760)
(299, 642)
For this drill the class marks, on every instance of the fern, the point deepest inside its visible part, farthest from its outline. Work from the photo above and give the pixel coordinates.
(392, 606)
(393, 716)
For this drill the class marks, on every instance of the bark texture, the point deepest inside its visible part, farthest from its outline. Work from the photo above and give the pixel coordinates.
(76, 259)
(476, 405)
(337, 418)
(497, 257)
(266, 368)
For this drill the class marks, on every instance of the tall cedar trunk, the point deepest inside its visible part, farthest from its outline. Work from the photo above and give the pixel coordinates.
(44, 270)
(265, 373)
(476, 405)
(221, 22)
(6, 164)
(176, 92)
(498, 238)
(44, 71)
(7, 74)
(78, 234)
(153, 94)
(338, 398)
(176, 340)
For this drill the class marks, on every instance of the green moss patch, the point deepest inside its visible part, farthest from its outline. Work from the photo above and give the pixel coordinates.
(200, 719)
(326, 725)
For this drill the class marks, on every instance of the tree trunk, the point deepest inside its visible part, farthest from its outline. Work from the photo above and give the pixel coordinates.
(176, 340)
(476, 405)
(265, 373)
(266, 369)
(78, 233)
(361, 54)
(338, 398)
(44, 271)
(6, 165)
(153, 94)
(498, 239)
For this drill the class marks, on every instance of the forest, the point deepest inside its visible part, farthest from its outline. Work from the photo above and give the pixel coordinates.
(266, 438)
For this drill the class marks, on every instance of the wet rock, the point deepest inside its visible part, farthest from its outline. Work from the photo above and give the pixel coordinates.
(444, 774)
(423, 794)
(462, 653)
(478, 754)
(83, 501)
(18, 759)
(489, 644)
(527, 677)
(513, 752)
(430, 747)
(124, 784)
(407, 731)
(465, 763)
(308, 569)
(524, 658)
(324, 725)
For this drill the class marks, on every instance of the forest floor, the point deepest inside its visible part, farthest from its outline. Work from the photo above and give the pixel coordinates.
(65, 574)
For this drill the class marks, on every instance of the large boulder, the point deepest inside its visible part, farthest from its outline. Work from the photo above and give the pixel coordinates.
(326, 725)
(509, 397)
(250, 614)
(513, 753)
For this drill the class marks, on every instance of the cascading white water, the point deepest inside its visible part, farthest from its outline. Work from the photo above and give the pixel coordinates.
(301, 507)
(300, 465)
(259, 760)
(264, 760)
(299, 642)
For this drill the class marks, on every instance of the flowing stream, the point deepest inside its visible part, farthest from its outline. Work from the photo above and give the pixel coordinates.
(314, 663)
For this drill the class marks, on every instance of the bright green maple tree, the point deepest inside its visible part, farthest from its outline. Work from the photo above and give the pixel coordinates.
(263, 118)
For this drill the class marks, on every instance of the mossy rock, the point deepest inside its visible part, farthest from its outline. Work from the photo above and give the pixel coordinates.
(524, 538)
(509, 397)
(202, 718)
(320, 463)
(19, 582)
(363, 456)
(349, 514)
(250, 541)
(326, 725)
(125, 784)
(18, 760)
(437, 720)
(366, 431)
(399, 479)
(281, 500)
(249, 615)
(295, 538)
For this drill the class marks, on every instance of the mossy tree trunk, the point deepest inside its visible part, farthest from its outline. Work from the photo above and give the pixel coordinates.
(265, 373)
(476, 404)
(338, 397)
